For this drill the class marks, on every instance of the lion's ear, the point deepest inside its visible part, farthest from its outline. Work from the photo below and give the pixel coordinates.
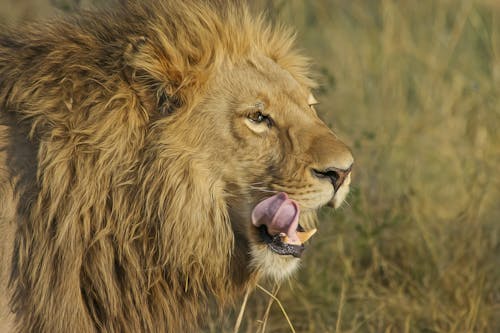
(157, 82)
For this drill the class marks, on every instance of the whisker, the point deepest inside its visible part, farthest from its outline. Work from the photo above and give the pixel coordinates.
(261, 189)
(259, 184)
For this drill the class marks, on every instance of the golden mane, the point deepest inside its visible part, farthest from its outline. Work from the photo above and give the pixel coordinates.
(122, 209)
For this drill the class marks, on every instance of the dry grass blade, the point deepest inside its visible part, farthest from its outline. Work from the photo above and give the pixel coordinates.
(340, 308)
(292, 329)
(242, 311)
(268, 308)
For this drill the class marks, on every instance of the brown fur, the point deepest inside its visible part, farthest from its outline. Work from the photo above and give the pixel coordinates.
(126, 185)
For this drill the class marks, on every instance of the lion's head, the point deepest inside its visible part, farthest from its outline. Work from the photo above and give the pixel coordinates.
(179, 157)
(278, 161)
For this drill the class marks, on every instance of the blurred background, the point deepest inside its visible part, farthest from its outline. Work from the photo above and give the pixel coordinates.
(414, 88)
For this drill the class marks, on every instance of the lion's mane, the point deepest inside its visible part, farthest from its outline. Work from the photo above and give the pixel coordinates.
(121, 226)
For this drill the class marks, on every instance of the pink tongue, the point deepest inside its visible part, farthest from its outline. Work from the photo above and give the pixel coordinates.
(280, 214)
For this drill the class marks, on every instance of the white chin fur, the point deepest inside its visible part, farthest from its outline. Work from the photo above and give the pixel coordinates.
(271, 265)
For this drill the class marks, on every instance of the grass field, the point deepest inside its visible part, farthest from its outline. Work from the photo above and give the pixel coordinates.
(414, 88)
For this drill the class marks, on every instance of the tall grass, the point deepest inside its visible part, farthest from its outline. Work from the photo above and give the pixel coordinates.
(414, 88)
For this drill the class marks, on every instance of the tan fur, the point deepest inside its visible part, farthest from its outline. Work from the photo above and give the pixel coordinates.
(127, 174)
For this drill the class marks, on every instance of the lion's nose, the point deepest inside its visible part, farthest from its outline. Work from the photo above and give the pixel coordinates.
(331, 159)
(334, 175)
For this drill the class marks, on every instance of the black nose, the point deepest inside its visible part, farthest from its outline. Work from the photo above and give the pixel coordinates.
(335, 175)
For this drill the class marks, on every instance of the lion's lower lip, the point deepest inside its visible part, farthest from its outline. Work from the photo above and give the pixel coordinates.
(277, 245)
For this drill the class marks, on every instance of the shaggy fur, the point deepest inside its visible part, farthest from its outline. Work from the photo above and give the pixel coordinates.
(125, 201)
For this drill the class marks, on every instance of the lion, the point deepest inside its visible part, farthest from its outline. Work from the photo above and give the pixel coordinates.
(155, 157)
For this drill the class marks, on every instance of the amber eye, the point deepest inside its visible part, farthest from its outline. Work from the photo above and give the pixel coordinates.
(260, 118)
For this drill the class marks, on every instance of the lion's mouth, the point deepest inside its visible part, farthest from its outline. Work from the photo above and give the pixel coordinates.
(277, 219)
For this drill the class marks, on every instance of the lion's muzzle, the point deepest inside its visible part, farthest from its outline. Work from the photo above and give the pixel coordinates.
(331, 162)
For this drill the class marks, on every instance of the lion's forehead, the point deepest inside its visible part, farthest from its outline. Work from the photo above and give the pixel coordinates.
(273, 86)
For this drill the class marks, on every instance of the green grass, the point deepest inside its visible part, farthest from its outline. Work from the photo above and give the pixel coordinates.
(414, 88)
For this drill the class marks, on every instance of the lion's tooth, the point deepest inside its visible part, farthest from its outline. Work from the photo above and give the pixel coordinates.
(291, 242)
(305, 235)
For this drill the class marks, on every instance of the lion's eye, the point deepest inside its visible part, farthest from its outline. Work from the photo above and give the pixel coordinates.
(260, 118)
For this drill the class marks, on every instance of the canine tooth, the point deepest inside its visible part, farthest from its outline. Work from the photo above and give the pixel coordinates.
(288, 241)
(302, 235)
(305, 235)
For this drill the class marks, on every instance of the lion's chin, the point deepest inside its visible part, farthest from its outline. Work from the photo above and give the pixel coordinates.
(271, 265)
